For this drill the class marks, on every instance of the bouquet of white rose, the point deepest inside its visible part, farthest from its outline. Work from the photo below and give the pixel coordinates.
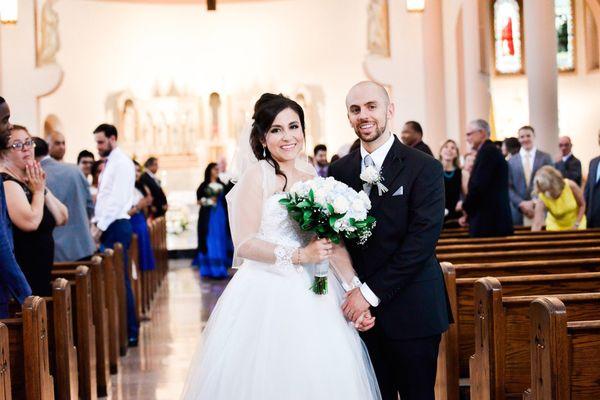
(332, 210)
(212, 191)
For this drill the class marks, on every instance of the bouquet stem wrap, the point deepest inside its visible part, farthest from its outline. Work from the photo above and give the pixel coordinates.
(320, 282)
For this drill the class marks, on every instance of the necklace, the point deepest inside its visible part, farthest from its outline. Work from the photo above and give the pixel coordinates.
(449, 174)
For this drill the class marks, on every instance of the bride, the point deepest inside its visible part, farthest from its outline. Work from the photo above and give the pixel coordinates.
(269, 336)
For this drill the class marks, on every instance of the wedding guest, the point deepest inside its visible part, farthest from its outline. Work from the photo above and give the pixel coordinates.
(13, 283)
(559, 199)
(142, 201)
(150, 179)
(449, 157)
(56, 145)
(487, 204)
(568, 165)
(111, 223)
(32, 208)
(412, 135)
(510, 147)
(215, 248)
(321, 163)
(466, 171)
(85, 160)
(521, 170)
(334, 158)
(592, 192)
(72, 242)
(97, 168)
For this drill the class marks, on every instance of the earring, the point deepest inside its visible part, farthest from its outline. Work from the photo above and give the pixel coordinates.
(265, 152)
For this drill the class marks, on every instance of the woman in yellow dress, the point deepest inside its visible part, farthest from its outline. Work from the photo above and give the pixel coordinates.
(561, 198)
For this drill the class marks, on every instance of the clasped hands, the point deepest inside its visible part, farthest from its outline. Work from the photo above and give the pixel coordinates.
(356, 309)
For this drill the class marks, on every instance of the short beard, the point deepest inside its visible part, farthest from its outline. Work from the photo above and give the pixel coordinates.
(107, 152)
(377, 136)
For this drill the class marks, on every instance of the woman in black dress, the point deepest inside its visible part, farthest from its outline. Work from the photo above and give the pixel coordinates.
(32, 209)
(449, 157)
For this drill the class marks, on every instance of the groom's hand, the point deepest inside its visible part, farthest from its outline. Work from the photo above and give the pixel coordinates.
(355, 305)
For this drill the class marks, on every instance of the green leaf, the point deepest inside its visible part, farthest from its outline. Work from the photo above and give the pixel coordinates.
(304, 204)
(311, 196)
(331, 209)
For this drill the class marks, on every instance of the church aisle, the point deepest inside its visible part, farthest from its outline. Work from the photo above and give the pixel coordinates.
(156, 370)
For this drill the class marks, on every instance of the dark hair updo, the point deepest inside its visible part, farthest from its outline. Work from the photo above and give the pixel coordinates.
(266, 110)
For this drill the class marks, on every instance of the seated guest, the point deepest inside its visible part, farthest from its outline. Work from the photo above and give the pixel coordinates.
(592, 192)
(561, 197)
(215, 248)
(142, 201)
(13, 283)
(412, 136)
(449, 156)
(32, 208)
(150, 180)
(487, 205)
(568, 165)
(321, 163)
(85, 160)
(521, 170)
(510, 147)
(72, 242)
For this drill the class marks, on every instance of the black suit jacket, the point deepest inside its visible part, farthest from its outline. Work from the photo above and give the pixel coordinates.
(423, 147)
(398, 262)
(592, 196)
(487, 203)
(159, 200)
(570, 169)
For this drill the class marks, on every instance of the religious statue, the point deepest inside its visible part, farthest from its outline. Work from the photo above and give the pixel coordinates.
(378, 28)
(50, 41)
(215, 105)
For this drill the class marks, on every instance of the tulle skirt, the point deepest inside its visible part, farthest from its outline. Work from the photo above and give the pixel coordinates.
(269, 337)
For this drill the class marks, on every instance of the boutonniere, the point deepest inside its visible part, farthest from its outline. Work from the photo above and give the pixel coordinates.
(372, 177)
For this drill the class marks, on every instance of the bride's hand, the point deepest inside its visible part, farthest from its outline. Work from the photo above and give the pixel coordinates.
(316, 251)
(365, 322)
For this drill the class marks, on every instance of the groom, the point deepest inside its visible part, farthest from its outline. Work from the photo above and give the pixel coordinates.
(403, 282)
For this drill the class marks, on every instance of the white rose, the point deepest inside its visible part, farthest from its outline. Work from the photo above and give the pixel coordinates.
(340, 205)
(358, 205)
(320, 196)
(365, 199)
(370, 175)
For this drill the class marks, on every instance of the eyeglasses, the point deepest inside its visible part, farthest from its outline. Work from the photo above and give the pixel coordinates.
(20, 146)
(472, 132)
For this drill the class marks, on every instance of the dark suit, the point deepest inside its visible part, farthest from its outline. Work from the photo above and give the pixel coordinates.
(570, 169)
(487, 203)
(159, 200)
(592, 195)
(399, 265)
(423, 147)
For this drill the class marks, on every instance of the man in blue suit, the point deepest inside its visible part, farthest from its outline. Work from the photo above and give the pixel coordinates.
(521, 170)
(592, 193)
(12, 280)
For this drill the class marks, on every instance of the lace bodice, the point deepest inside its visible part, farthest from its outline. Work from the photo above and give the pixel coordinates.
(277, 227)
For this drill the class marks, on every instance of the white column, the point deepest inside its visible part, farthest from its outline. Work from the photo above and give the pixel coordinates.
(541, 69)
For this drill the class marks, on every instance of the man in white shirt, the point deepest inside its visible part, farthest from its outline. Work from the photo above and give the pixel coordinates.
(522, 168)
(114, 200)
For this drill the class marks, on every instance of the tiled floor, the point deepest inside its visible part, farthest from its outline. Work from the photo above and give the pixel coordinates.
(158, 367)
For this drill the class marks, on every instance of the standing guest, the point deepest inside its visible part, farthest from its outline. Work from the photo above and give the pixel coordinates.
(113, 202)
(321, 163)
(510, 147)
(142, 201)
(467, 170)
(150, 180)
(13, 283)
(85, 160)
(449, 156)
(412, 135)
(57, 146)
(521, 170)
(72, 242)
(215, 248)
(32, 208)
(487, 204)
(562, 198)
(592, 192)
(97, 168)
(568, 165)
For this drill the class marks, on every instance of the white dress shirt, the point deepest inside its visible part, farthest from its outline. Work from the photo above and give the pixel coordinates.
(378, 157)
(115, 191)
(565, 158)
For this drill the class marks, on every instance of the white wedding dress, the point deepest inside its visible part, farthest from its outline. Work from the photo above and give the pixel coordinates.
(271, 338)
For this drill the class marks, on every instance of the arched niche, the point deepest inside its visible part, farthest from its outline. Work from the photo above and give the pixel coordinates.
(52, 124)
(592, 39)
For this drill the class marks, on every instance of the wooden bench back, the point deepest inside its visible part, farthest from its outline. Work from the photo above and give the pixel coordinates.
(585, 234)
(442, 250)
(522, 255)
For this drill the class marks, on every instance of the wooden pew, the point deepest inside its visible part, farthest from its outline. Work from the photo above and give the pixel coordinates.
(564, 354)
(101, 316)
(518, 231)
(5, 391)
(584, 234)
(84, 328)
(28, 341)
(136, 281)
(61, 347)
(458, 342)
(113, 309)
(119, 268)
(522, 255)
(500, 367)
(512, 268)
(442, 251)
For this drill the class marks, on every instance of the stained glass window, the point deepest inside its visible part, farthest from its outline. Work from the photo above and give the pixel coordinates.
(508, 49)
(565, 56)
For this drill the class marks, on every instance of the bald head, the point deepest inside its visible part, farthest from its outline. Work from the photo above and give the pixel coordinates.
(56, 145)
(367, 87)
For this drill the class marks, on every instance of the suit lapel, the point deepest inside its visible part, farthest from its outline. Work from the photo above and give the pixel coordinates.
(391, 168)
(355, 167)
